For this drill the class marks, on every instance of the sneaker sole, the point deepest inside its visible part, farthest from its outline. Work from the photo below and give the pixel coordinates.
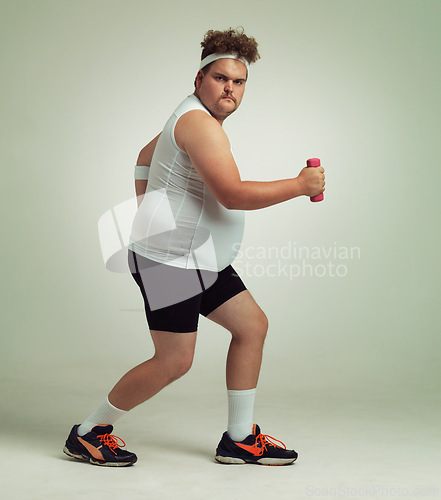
(85, 458)
(260, 461)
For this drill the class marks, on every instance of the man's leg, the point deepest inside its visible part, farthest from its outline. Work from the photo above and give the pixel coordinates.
(243, 441)
(248, 325)
(173, 358)
(92, 440)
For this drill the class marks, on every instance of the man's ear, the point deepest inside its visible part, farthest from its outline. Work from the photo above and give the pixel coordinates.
(199, 78)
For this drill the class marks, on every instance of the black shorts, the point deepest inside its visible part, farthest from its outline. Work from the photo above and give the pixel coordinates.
(174, 297)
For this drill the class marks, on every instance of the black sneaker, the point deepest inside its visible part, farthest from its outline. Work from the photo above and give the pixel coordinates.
(257, 448)
(99, 447)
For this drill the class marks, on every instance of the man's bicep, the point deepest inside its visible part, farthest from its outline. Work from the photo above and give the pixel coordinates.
(210, 154)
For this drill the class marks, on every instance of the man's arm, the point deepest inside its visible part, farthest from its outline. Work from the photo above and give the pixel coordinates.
(209, 150)
(144, 159)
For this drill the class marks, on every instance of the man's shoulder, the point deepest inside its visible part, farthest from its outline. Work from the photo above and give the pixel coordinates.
(192, 114)
(197, 117)
(190, 103)
(197, 127)
(196, 123)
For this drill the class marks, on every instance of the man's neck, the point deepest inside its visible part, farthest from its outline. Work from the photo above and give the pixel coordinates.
(220, 120)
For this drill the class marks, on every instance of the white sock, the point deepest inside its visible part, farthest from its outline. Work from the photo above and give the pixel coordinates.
(105, 414)
(240, 414)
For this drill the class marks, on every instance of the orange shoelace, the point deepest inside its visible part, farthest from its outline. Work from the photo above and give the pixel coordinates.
(112, 442)
(265, 441)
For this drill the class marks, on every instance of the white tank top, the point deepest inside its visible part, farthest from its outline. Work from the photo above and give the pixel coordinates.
(179, 221)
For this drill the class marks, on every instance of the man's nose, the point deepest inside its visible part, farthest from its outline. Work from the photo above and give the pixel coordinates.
(229, 85)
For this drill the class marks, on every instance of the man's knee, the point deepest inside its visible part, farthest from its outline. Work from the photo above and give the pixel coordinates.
(174, 367)
(255, 330)
(173, 354)
(262, 326)
(182, 367)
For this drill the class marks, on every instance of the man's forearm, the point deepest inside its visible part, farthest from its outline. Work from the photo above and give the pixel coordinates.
(140, 189)
(252, 195)
(144, 159)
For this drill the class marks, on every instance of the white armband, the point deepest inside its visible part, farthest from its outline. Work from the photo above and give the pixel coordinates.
(142, 172)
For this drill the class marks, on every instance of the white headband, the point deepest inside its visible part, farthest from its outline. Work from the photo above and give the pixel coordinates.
(214, 57)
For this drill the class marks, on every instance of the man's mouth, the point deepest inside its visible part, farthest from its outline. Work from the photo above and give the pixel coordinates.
(229, 97)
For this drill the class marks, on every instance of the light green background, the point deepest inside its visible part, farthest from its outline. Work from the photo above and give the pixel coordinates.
(86, 84)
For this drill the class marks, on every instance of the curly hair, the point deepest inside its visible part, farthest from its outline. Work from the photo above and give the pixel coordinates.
(230, 41)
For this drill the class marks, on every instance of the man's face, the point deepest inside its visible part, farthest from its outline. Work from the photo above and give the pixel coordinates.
(221, 87)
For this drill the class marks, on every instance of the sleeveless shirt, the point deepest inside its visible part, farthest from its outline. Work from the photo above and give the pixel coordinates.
(179, 222)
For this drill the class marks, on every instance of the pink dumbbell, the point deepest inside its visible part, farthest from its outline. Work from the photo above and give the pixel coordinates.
(315, 162)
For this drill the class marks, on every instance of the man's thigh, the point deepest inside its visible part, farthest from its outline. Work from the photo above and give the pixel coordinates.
(173, 344)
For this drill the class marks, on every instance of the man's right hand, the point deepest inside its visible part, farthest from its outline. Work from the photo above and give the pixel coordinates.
(312, 181)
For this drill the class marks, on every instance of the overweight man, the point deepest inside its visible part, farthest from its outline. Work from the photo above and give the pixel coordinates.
(185, 237)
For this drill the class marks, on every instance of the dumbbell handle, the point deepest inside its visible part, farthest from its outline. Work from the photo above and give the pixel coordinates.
(315, 162)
